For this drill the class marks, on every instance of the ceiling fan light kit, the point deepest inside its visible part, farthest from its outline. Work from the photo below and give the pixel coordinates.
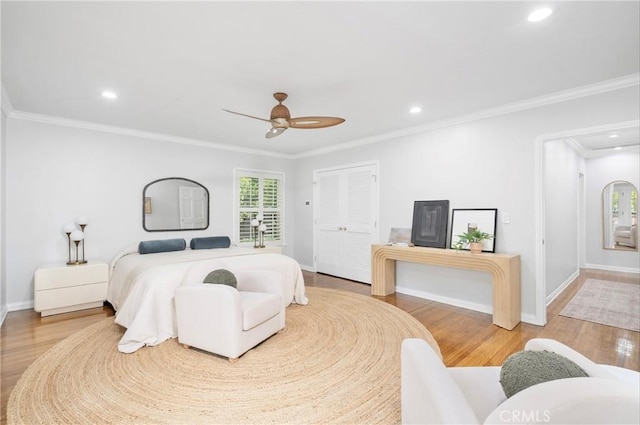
(281, 120)
(273, 132)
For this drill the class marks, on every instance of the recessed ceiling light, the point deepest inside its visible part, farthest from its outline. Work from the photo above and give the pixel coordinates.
(613, 136)
(109, 95)
(540, 14)
(617, 148)
(415, 110)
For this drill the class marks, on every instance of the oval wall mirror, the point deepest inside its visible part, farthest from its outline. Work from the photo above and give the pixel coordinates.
(620, 216)
(175, 203)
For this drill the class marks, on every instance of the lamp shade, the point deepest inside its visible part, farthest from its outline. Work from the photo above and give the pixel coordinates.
(260, 217)
(77, 235)
(82, 220)
(262, 227)
(254, 222)
(69, 227)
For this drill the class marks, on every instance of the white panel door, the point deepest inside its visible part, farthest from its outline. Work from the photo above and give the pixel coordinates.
(193, 210)
(346, 221)
(327, 222)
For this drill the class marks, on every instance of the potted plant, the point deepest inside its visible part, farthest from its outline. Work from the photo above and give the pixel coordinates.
(473, 238)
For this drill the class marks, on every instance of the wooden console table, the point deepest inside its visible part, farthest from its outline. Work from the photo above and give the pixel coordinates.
(504, 268)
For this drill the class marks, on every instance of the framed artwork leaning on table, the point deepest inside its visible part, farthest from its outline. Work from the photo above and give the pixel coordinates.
(482, 219)
(430, 219)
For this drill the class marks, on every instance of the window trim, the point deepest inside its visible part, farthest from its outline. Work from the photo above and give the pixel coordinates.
(261, 174)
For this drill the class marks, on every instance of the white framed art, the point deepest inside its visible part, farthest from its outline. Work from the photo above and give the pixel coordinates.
(483, 219)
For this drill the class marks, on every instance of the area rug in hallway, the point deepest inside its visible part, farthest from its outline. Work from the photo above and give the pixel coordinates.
(608, 303)
(337, 361)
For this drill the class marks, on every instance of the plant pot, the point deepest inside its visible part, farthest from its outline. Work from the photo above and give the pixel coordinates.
(475, 247)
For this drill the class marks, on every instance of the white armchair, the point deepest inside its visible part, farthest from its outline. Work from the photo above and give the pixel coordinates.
(434, 394)
(626, 235)
(229, 321)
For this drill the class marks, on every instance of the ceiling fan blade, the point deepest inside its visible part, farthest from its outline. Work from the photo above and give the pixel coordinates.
(314, 122)
(245, 115)
(274, 132)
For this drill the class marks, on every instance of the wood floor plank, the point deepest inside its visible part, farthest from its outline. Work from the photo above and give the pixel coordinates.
(465, 337)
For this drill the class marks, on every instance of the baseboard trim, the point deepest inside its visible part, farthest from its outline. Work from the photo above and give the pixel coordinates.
(530, 319)
(552, 296)
(481, 308)
(612, 268)
(25, 305)
(308, 268)
(445, 300)
(3, 314)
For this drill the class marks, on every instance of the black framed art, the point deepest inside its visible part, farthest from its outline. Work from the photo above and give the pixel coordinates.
(482, 219)
(430, 219)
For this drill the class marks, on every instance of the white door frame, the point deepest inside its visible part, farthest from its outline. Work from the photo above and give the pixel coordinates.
(541, 286)
(582, 220)
(376, 205)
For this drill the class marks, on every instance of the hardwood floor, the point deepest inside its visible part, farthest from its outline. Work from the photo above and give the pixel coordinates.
(466, 338)
(25, 336)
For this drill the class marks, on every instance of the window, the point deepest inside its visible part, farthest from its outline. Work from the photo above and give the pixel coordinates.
(259, 192)
(616, 207)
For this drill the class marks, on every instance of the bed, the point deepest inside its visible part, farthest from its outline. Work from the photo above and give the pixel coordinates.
(141, 287)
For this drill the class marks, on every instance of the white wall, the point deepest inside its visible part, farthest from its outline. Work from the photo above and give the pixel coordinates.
(600, 172)
(482, 164)
(56, 173)
(3, 280)
(3, 138)
(562, 165)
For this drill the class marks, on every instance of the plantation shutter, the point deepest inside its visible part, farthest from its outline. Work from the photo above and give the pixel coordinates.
(260, 193)
(271, 206)
(248, 206)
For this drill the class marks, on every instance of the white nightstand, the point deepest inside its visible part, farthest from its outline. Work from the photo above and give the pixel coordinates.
(62, 288)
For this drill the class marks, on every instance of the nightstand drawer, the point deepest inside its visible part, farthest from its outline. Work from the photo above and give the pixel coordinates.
(66, 276)
(68, 297)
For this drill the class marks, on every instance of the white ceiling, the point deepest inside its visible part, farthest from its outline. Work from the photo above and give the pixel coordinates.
(175, 65)
(608, 142)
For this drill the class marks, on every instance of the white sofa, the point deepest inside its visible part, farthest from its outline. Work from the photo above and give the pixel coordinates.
(434, 394)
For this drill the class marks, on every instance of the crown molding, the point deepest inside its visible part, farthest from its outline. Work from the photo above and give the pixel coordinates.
(577, 146)
(558, 97)
(624, 150)
(590, 130)
(568, 137)
(5, 103)
(47, 119)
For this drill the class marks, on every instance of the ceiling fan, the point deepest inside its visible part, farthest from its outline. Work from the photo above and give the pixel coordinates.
(281, 119)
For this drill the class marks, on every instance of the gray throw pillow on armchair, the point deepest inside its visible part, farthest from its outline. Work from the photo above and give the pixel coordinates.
(526, 368)
(222, 277)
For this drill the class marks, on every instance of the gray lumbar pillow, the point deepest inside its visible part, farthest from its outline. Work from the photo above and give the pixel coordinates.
(162, 245)
(526, 368)
(222, 277)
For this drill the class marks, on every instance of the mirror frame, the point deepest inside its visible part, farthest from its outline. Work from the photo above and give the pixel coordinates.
(605, 218)
(144, 191)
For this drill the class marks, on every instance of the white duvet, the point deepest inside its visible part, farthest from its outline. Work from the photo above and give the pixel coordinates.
(141, 287)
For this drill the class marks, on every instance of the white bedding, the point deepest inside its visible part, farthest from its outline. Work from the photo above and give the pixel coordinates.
(141, 287)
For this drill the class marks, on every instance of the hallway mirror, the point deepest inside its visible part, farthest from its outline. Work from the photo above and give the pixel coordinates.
(620, 216)
(175, 203)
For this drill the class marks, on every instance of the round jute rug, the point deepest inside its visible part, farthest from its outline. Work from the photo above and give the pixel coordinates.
(337, 361)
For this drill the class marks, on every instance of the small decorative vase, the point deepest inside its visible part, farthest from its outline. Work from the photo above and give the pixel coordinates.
(475, 247)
